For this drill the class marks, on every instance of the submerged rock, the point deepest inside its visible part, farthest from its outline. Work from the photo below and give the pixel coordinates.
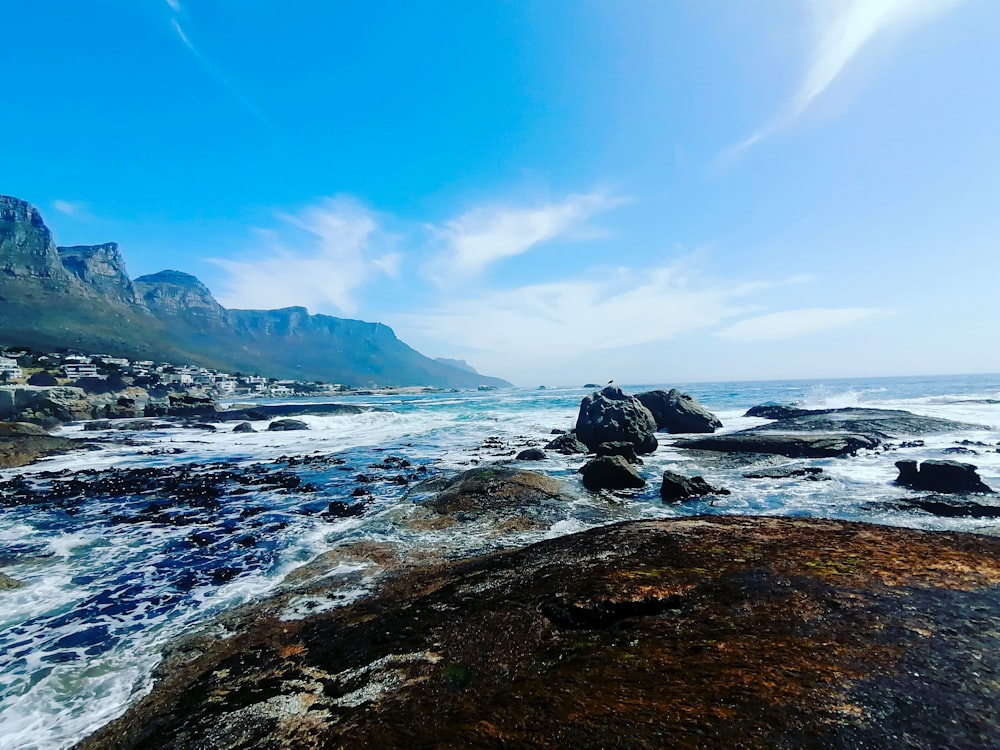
(7, 583)
(787, 472)
(677, 487)
(611, 415)
(244, 427)
(610, 473)
(697, 632)
(940, 476)
(678, 412)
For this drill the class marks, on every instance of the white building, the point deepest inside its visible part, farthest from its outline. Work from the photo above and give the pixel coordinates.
(77, 371)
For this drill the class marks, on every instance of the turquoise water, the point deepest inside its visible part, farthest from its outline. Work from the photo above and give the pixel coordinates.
(107, 584)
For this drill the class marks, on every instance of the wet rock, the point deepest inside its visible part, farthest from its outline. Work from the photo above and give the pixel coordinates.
(940, 476)
(21, 429)
(793, 446)
(775, 411)
(260, 412)
(244, 427)
(531, 454)
(7, 583)
(610, 473)
(881, 423)
(22, 444)
(285, 425)
(340, 509)
(620, 448)
(697, 632)
(960, 450)
(610, 415)
(492, 488)
(678, 412)
(677, 487)
(948, 507)
(567, 444)
(787, 472)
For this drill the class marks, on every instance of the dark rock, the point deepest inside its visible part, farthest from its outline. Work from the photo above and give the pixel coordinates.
(531, 454)
(204, 426)
(190, 404)
(567, 444)
(611, 415)
(155, 409)
(677, 487)
(557, 431)
(787, 472)
(492, 488)
(960, 450)
(940, 476)
(610, 473)
(244, 427)
(948, 507)
(340, 509)
(776, 411)
(620, 448)
(678, 412)
(261, 412)
(793, 446)
(21, 429)
(881, 423)
(706, 632)
(285, 425)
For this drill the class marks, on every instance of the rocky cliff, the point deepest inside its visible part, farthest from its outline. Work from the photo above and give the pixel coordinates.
(81, 297)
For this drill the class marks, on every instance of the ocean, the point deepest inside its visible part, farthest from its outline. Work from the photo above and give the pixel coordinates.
(111, 578)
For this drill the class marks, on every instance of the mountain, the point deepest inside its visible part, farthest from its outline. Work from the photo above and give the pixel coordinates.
(81, 297)
(461, 364)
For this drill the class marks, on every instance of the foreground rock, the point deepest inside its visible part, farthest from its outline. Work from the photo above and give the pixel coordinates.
(678, 412)
(940, 476)
(701, 632)
(794, 446)
(677, 487)
(22, 443)
(610, 473)
(611, 415)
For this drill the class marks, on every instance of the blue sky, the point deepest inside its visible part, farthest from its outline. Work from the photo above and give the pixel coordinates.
(555, 191)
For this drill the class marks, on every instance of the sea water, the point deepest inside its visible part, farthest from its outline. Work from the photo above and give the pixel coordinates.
(101, 598)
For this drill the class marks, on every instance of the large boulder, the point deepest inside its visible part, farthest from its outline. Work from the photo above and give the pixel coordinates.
(940, 476)
(47, 406)
(610, 473)
(611, 415)
(678, 412)
(287, 425)
(677, 487)
(190, 404)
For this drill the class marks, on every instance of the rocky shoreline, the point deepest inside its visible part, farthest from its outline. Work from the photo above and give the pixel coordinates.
(694, 632)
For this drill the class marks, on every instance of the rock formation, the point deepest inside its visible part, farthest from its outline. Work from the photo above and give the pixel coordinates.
(940, 476)
(610, 415)
(678, 412)
(610, 473)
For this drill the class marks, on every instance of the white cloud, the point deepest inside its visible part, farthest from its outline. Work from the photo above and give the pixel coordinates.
(316, 259)
(842, 29)
(486, 235)
(607, 310)
(794, 323)
(175, 5)
(76, 209)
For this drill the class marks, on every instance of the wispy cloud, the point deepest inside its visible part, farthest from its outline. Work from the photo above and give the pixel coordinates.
(212, 69)
(842, 29)
(605, 309)
(316, 258)
(791, 324)
(486, 235)
(76, 209)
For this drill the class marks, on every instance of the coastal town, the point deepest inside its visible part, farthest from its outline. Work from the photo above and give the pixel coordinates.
(101, 372)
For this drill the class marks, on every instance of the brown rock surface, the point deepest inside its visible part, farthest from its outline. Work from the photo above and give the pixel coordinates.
(723, 632)
(22, 443)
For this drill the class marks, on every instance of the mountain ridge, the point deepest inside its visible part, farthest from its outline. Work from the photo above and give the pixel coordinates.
(81, 297)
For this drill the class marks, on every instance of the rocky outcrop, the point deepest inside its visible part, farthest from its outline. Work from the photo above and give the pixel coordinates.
(610, 473)
(100, 268)
(610, 415)
(531, 454)
(174, 293)
(7, 583)
(491, 489)
(566, 444)
(794, 446)
(620, 448)
(940, 476)
(677, 487)
(26, 247)
(260, 412)
(22, 444)
(777, 411)
(721, 632)
(244, 427)
(48, 406)
(678, 412)
(882, 423)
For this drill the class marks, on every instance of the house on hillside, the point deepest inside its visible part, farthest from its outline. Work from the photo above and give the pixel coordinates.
(10, 369)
